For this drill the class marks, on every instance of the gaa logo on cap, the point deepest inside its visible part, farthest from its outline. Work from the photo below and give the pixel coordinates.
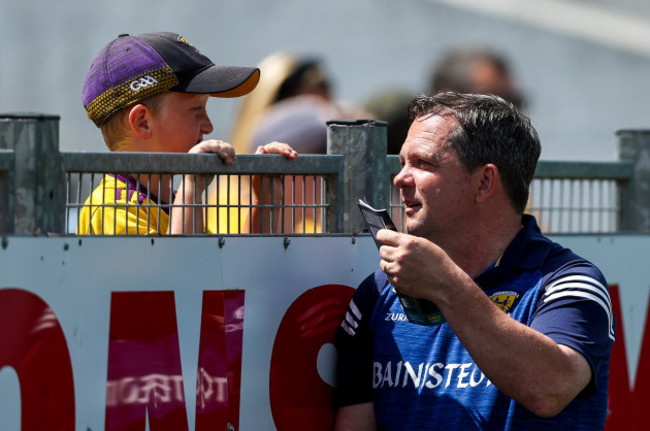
(143, 82)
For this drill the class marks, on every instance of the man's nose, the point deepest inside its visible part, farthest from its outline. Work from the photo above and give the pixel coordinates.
(403, 177)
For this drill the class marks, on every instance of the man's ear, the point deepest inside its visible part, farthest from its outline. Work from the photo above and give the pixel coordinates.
(487, 182)
(140, 121)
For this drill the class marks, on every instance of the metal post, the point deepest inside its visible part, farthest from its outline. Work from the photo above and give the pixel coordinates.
(7, 173)
(634, 146)
(38, 180)
(363, 143)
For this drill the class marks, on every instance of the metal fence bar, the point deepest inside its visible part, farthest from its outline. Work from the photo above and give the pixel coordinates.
(584, 170)
(7, 164)
(600, 187)
(567, 197)
(325, 172)
(559, 209)
(172, 163)
(363, 142)
(38, 185)
(634, 146)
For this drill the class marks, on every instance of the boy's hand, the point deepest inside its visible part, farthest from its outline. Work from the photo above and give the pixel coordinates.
(222, 148)
(268, 191)
(277, 148)
(271, 148)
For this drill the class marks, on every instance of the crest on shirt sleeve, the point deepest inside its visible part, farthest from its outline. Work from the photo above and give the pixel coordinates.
(505, 299)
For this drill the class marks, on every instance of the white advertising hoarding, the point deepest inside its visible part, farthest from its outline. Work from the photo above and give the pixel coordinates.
(235, 331)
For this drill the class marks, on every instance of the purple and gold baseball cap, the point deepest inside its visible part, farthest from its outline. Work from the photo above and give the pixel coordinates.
(132, 68)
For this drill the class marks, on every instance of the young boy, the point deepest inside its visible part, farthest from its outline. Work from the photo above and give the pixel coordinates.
(148, 93)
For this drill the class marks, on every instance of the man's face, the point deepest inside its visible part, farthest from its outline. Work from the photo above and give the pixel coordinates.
(182, 122)
(437, 192)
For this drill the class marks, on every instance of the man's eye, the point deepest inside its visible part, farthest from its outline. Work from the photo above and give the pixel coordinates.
(422, 163)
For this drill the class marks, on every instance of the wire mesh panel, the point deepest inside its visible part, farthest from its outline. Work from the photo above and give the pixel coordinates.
(299, 205)
(575, 205)
(150, 194)
(396, 207)
(565, 197)
(157, 194)
(117, 203)
(580, 197)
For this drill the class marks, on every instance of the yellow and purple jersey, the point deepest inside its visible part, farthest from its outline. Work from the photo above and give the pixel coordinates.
(122, 206)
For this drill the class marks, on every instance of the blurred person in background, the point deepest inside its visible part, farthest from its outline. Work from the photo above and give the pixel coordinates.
(464, 70)
(391, 105)
(475, 70)
(468, 69)
(293, 102)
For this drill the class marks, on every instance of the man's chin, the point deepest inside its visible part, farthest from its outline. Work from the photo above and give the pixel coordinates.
(412, 228)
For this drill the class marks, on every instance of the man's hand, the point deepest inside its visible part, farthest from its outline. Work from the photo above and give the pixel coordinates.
(416, 266)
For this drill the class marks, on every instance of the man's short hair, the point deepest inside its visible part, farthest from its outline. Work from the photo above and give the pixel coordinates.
(489, 130)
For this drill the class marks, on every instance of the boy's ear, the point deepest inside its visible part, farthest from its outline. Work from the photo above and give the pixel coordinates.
(139, 121)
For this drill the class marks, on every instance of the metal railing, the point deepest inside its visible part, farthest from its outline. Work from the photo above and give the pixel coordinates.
(310, 201)
(581, 197)
(567, 197)
(42, 189)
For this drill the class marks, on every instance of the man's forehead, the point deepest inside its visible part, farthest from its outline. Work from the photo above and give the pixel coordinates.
(428, 134)
(445, 117)
(434, 126)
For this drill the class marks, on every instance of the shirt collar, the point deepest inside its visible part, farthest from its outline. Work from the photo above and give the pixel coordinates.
(529, 250)
(132, 186)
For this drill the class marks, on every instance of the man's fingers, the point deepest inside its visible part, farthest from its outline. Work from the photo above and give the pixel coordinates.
(387, 236)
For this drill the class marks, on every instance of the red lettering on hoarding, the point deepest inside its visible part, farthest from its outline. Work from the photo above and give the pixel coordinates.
(220, 353)
(300, 399)
(34, 345)
(144, 368)
(144, 364)
(627, 406)
(642, 382)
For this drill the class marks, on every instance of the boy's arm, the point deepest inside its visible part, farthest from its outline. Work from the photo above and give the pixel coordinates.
(267, 191)
(185, 217)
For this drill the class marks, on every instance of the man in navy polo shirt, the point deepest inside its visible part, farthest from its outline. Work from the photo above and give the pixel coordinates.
(527, 325)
